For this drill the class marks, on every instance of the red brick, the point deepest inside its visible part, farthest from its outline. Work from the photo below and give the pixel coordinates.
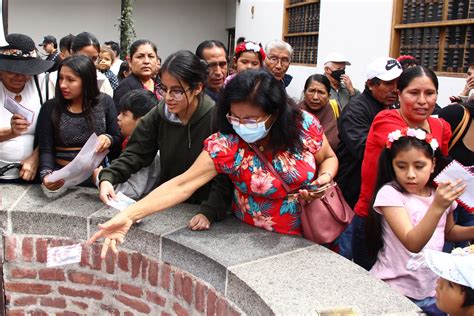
(155, 298)
(178, 283)
(96, 262)
(187, 288)
(85, 255)
(145, 263)
(127, 313)
(110, 309)
(81, 305)
(114, 285)
(25, 300)
(55, 243)
(80, 293)
(221, 307)
(233, 312)
(165, 314)
(135, 304)
(165, 276)
(153, 273)
(41, 249)
(15, 312)
(200, 297)
(80, 277)
(27, 249)
(37, 312)
(179, 310)
(57, 302)
(10, 245)
(110, 262)
(19, 273)
(28, 288)
(123, 261)
(136, 264)
(51, 274)
(68, 313)
(211, 302)
(132, 290)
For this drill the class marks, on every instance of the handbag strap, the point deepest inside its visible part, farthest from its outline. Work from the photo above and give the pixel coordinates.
(270, 167)
(459, 131)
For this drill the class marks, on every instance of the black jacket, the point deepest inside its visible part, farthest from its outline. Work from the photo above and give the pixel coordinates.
(130, 83)
(354, 125)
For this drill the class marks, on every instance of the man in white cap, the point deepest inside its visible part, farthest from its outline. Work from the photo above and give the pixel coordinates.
(380, 93)
(342, 89)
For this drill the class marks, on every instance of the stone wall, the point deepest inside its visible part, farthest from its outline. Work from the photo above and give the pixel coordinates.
(230, 269)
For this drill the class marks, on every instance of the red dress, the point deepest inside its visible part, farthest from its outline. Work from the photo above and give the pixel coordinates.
(384, 123)
(259, 199)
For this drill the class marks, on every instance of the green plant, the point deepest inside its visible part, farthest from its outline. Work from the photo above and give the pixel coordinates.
(126, 27)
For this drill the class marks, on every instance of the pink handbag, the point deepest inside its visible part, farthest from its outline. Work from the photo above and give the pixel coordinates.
(323, 219)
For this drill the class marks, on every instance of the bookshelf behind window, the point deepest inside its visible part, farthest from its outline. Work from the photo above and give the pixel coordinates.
(301, 30)
(439, 33)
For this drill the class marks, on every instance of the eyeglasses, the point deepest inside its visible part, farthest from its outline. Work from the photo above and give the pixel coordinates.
(175, 94)
(274, 60)
(249, 123)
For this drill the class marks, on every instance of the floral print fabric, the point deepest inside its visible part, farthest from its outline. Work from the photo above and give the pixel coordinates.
(259, 198)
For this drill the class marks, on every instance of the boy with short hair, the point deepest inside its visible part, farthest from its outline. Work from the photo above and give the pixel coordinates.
(106, 59)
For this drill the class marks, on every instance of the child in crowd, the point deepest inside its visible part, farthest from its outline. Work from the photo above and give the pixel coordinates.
(124, 71)
(248, 55)
(455, 287)
(106, 59)
(134, 105)
(409, 216)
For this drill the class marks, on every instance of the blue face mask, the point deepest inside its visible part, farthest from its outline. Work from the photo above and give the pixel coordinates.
(251, 135)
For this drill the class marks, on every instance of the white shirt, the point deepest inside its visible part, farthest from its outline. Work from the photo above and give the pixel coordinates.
(116, 66)
(20, 147)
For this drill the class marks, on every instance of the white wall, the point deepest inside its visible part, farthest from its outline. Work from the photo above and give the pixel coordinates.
(171, 24)
(61, 17)
(360, 29)
(231, 9)
(180, 24)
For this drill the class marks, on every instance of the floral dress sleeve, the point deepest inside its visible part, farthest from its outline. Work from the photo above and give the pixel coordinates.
(222, 149)
(312, 132)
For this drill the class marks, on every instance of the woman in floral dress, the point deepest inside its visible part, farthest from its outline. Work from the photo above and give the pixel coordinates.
(254, 109)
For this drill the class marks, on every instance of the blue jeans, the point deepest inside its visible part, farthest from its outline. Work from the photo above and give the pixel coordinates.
(360, 251)
(345, 242)
(428, 306)
(462, 218)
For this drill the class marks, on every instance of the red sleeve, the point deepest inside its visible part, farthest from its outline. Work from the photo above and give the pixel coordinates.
(446, 137)
(441, 130)
(384, 123)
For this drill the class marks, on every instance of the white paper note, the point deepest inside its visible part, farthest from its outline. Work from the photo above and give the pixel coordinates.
(58, 256)
(16, 108)
(81, 167)
(122, 201)
(456, 171)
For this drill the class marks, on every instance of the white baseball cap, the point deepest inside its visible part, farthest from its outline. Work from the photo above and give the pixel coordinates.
(336, 58)
(457, 268)
(384, 68)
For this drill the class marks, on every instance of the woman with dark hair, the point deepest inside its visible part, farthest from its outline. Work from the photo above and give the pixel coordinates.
(143, 65)
(417, 93)
(124, 71)
(66, 122)
(316, 101)
(177, 127)
(86, 44)
(254, 109)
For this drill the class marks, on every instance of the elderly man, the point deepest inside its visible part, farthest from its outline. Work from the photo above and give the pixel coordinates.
(379, 94)
(278, 60)
(215, 54)
(342, 89)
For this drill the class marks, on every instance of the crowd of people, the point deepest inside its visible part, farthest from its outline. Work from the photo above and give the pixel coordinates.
(209, 130)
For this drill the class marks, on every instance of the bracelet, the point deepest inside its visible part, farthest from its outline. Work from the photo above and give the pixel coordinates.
(326, 172)
(110, 138)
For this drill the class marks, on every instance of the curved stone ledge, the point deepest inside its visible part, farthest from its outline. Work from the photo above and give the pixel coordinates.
(261, 272)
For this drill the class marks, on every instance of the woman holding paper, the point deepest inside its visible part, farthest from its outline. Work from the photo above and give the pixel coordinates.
(66, 122)
(20, 86)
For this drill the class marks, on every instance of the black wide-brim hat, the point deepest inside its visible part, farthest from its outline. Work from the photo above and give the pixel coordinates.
(20, 57)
